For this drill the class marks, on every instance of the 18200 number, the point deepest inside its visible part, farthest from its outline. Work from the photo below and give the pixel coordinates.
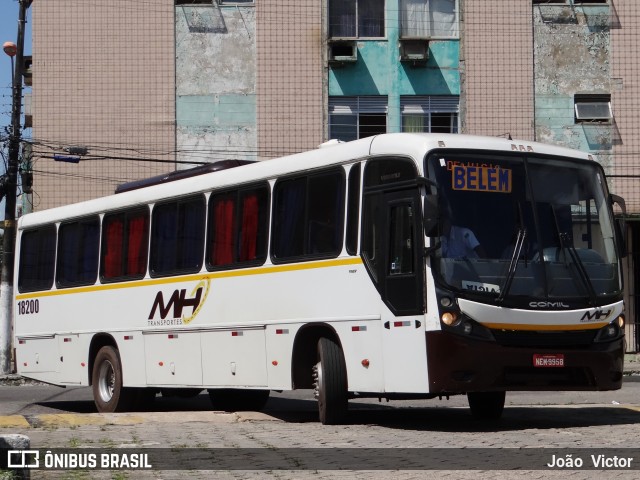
(28, 307)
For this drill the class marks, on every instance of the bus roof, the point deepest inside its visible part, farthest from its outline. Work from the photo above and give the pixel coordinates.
(414, 145)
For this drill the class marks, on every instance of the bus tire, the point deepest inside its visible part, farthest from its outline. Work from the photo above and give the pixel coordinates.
(486, 405)
(108, 393)
(238, 400)
(330, 383)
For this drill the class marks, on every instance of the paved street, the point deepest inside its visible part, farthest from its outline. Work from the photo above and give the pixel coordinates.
(181, 429)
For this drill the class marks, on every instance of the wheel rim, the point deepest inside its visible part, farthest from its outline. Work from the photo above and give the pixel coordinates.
(106, 381)
(317, 377)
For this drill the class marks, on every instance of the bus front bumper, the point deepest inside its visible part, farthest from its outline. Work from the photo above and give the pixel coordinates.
(459, 364)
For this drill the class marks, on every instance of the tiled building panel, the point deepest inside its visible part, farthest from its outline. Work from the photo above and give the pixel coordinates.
(497, 68)
(104, 79)
(625, 40)
(290, 76)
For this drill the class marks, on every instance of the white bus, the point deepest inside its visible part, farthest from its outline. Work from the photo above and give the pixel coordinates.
(396, 266)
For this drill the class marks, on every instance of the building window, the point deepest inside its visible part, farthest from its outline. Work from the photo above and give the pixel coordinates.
(540, 2)
(433, 114)
(429, 18)
(593, 108)
(351, 118)
(356, 18)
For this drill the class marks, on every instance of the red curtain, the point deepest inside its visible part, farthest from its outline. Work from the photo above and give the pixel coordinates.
(137, 247)
(249, 228)
(223, 232)
(113, 256)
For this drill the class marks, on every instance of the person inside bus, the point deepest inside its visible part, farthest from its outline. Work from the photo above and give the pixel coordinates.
(459, 242)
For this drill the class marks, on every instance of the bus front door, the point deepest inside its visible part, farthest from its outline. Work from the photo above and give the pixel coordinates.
(392, 248)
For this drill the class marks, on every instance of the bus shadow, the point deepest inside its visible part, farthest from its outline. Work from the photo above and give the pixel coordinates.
(429, 418)
(459, 419)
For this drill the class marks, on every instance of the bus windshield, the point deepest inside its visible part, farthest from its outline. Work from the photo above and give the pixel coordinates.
(516, 227)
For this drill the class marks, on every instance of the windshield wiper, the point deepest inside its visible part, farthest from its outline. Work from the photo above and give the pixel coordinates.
(513, 265)
(565, 242)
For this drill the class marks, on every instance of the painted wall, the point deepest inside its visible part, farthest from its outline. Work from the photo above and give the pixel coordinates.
(215, 83)
(378, 70)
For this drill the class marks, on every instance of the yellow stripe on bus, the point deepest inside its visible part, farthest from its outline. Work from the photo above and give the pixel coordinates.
(291, 267)
(541, 328)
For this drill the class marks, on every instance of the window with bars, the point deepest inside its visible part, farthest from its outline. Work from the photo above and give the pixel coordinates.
(429, 18)
(351, 118)
(356, 18)
(430, 114)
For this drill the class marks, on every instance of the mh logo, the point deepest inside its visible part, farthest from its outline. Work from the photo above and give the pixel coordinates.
(179, 301)
(596, 316)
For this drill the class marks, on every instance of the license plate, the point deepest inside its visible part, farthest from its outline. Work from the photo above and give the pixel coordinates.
(548, 360)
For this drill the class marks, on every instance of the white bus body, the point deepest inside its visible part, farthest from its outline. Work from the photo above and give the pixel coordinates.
(329, 321)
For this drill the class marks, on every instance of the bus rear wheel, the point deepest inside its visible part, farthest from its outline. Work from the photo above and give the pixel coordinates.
(486, 405)
(330, 383)
(106, 379)
(238, 400)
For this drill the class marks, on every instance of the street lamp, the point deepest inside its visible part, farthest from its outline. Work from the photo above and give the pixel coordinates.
(11, 179)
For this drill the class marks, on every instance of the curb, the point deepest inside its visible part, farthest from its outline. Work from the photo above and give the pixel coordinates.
(14, 441)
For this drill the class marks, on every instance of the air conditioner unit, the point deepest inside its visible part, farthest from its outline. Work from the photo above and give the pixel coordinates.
(342, 52)
(414, 51)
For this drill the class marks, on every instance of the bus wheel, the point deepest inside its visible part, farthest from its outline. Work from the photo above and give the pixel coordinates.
(108, 392)
(238, 400)
(330, 383)
(486, 405)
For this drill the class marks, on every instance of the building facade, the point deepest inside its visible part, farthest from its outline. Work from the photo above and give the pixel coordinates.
(165, 84)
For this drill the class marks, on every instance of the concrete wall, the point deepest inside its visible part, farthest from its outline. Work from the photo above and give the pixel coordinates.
(103, 77)
(215, 83)
(571, 56)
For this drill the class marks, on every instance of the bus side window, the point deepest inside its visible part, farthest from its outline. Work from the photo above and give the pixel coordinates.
(325, 217)
(37, 259)
(78, 252)
(124, 245)
(353, 207)
(177, 236)
(308, 218)
(238, 223)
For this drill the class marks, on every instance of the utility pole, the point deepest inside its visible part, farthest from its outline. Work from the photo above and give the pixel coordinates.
(8, 255)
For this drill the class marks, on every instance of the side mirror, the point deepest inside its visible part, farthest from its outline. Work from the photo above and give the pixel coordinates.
(431, 215)
(620, 225)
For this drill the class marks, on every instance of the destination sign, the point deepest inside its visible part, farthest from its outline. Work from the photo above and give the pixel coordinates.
(480, 179)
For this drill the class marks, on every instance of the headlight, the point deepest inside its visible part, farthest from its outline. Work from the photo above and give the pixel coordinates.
(450, 318)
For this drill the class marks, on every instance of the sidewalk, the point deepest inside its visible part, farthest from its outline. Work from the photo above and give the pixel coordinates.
(632, 363)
